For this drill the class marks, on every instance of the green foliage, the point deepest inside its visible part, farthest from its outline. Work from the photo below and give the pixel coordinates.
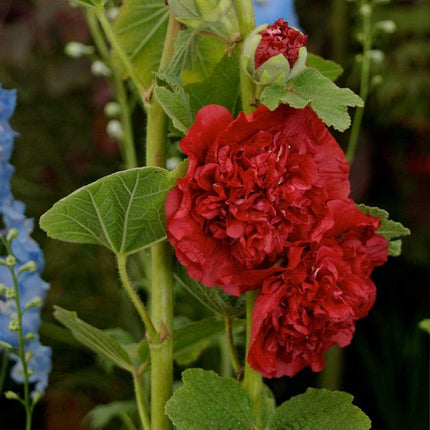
(214, 298)
(174, 102)
(425, 325)
(140, 29)
(327, 68)
(94, 339)
(196, 55)
(123, 211)
(207, 401)
(312, 88)
(391, 230)
(102, 415)
(319, 410)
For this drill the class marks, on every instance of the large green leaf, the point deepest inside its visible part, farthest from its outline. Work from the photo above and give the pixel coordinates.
(222, 87)
(312, 88)
(123, 211)
(391, 230)
(319, 410)
(207, 401)
(196, 55)
(94, 339)
(141, 29)
(213, 298)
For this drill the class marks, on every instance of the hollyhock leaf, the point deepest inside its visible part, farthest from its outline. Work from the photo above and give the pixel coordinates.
(140, 29)
(100, 416)
(196, 55)
(175, 103)
(208, 401)
(312, 88)
(328, 68)
(425, 325)
(319, 410)
(221, 87)
(391, 230)
(123, 211)
(93, 338)
(213, 298)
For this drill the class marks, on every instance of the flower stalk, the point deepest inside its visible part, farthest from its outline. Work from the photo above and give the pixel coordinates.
(161, 257)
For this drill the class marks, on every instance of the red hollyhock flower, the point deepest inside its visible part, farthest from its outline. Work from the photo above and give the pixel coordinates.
(313, 303)
(279, 38)
(254, 186)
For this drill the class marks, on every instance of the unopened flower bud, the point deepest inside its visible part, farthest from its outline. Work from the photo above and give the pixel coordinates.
(387, 26)
(30, 266)
(365, 10)
(12, 234)
(30, 372)
(77, 50)
(112, 109)
(10, 261)
(376, 56)
(11, 395)
(98, 68)
(5, 345)
(3, 289)
(172, 162)
(114, 129)
(10, 294)
(274, 54)
(29, 336)
(36, 396)
(112, 13)
(14, 325)
(35, 302)
(28, 356)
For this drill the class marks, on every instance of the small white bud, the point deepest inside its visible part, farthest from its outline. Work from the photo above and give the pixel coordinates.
(387, 26)
(14, 326)
(5, 345)
(98, 68)
(172, 162)
(376, 81)
(10, 261)
(35, 302)
(112, 109)
(112, 13)
(30, 266)
(77, 50)
(29, 336)
(114, 129)
(10, 294)
(11, 395)
(3, 288)
(28, 356)
(365, 10)
(376, 56)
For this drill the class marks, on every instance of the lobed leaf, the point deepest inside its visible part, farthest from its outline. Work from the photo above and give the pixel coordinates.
(312, 88)
(327, 68)
(391, 230)
(319, 410)
(123, 211)
(207, 401)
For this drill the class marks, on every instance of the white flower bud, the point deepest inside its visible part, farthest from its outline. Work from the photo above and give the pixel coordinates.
(30, 266)
(35, 302)
(98, 68)
(12, 234)
(11, 395)
(387, 26)
(112, 109)
(114, 129)
(365, 10)
(10, 294)
(77, 50)
(376, 56)
(10, 261)
(112, 13)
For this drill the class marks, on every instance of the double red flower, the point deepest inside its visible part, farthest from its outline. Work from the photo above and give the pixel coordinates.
(265, 205)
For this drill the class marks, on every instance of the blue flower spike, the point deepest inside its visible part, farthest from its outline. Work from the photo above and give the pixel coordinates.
(22, 290)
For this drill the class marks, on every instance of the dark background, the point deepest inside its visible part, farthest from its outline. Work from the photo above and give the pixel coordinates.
(63, 145)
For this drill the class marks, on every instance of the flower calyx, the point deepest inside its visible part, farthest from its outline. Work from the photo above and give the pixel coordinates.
(274, 54)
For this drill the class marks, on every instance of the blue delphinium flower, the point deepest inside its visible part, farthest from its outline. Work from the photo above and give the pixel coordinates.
(32, 289)
(268, 11)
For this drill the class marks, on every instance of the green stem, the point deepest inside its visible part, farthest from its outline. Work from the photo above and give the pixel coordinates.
(127, 146)
(245, 15)
(161, 257)
(27, 402)
(140, 399)
(252, 381)
(3, 368)
(135, 299)
(331, 376)
(100, 13)
(364, 83)
(128, 423)
(230, 342)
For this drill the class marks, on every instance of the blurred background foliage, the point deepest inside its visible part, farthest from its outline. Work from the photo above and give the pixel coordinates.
(63, 145)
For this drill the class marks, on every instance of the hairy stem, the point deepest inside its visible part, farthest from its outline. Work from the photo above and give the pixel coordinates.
(161, 257)
(245, 15)
(140, 399)
(230, 342)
